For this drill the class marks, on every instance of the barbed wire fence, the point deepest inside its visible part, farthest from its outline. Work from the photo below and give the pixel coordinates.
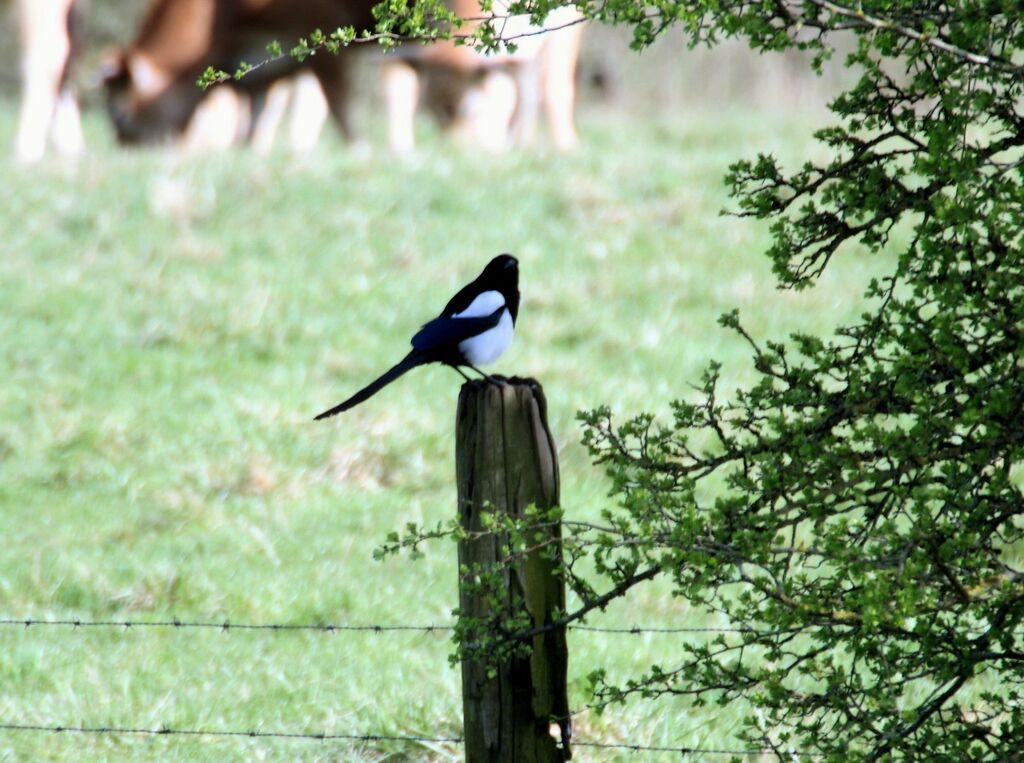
(166, 730)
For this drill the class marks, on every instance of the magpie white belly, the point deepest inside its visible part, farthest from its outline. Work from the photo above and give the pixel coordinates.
(485, 303)
(487, 347)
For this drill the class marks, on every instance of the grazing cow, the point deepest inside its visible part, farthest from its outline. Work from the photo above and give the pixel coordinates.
(151, 92)
(490, 100)
(48, 32)
(151, 86)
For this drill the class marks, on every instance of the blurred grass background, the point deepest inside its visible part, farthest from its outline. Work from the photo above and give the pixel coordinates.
(170, 324)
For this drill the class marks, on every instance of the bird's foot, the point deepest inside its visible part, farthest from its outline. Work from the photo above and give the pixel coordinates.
(499, 381)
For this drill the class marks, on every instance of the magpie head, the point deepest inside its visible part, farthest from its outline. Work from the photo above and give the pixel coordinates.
(502, 274)
(502, 263)
(502, 271)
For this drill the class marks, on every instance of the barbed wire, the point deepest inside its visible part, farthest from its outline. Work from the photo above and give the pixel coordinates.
(255, 733)
(688, 750)
(328, 736)
(227, 625)
(638, 630)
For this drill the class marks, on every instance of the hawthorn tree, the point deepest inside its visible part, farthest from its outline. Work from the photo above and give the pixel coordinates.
(867, 540)
(865, 528)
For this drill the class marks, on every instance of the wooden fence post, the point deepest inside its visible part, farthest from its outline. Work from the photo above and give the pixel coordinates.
(506, 461)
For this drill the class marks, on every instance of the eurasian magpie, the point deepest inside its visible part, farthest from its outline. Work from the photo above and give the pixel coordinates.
(474, 329)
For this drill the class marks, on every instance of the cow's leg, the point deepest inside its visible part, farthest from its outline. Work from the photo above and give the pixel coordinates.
(45, 51)
(492, 115)
(268, 117)
(558, 80)
(308, 114)
(217, 121)
(401, 84)
(67, 125)
(524, 122)
(332, 71)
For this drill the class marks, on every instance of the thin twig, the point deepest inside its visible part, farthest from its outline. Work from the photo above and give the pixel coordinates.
(860, 18)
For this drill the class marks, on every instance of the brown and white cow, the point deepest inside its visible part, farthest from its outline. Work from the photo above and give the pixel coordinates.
(48, 32)
(151, 85)
(490, 100)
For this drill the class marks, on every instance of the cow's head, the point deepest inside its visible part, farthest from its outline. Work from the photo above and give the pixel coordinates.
(147, 102)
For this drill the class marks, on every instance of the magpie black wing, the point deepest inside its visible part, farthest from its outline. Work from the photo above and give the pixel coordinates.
(444, 332)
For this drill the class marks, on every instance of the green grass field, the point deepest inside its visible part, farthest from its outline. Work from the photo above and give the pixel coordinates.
(170, 325)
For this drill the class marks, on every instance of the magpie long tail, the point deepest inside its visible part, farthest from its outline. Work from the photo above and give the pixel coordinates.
(408, 362)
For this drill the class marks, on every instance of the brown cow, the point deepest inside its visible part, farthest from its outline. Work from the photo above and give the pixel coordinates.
(48, 31)
(151, 86)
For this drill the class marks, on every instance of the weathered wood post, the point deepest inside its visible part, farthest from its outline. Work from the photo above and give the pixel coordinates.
(506, 461)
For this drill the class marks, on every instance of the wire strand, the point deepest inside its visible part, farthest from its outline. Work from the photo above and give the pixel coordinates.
(637, 630)
(227, 625)
(681, 750)
(255, 733)
(328, 736)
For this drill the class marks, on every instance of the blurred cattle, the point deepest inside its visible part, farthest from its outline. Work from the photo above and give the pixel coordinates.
(151, 85)
(49, 32)
(490, 100)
